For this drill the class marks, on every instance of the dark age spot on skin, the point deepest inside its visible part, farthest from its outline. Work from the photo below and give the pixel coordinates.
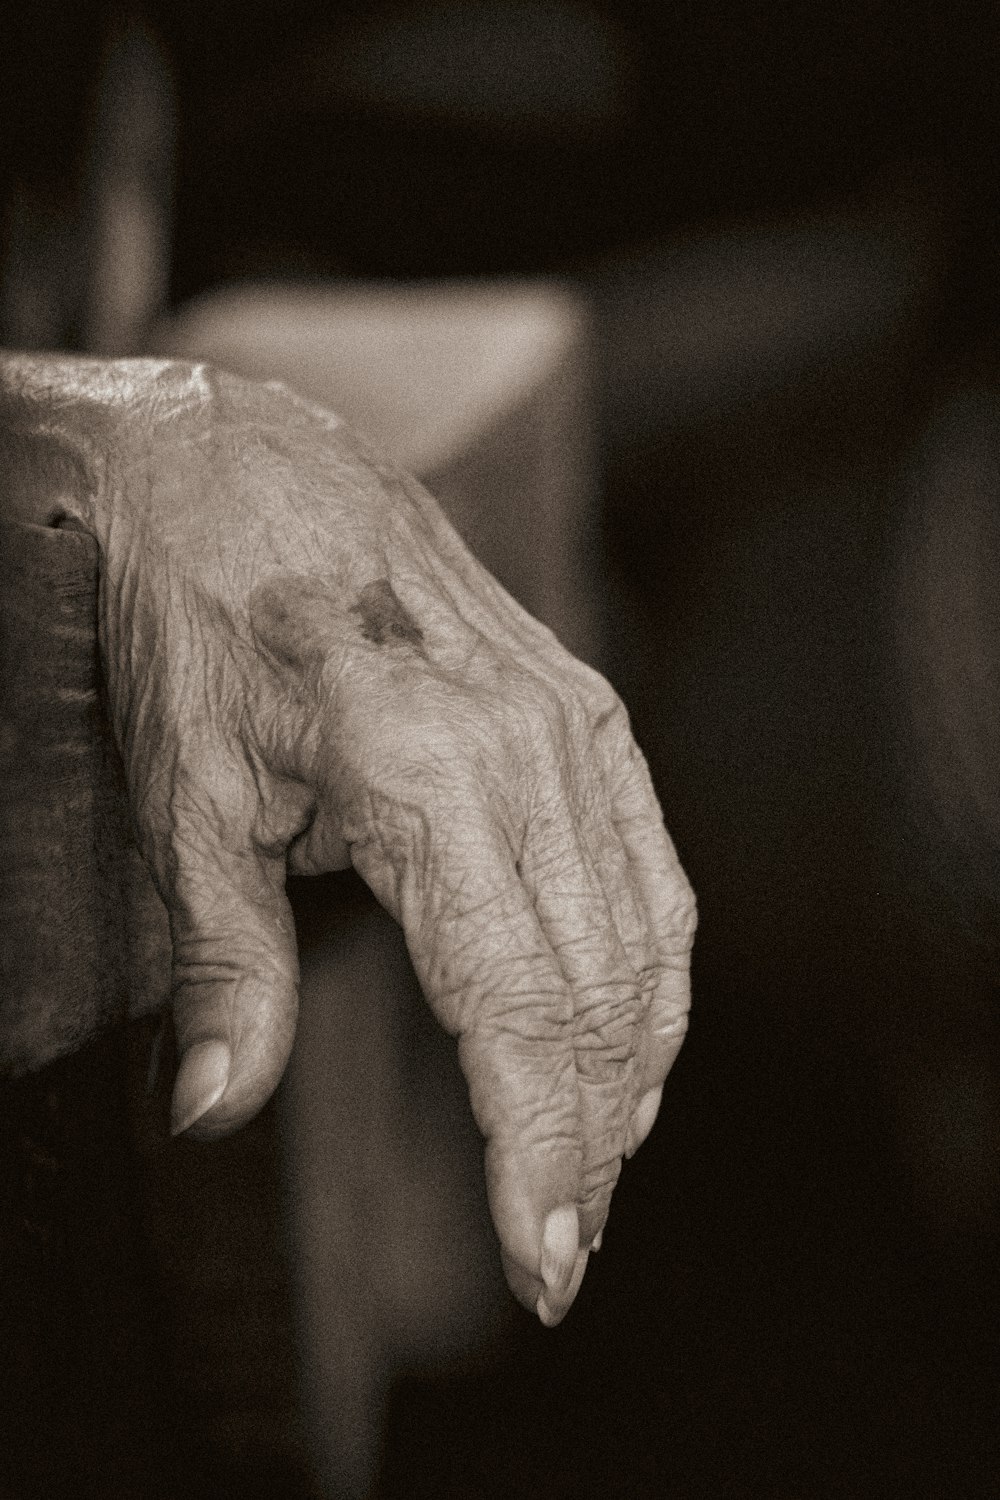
(295, 618)
(289, 617)
(383, 618)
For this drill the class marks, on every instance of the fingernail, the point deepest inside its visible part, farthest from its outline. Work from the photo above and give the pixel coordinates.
(578, 1273)
(551, 1312)
(642, 1121)
(545, 1317)
(200, 1083)
(560, 1244)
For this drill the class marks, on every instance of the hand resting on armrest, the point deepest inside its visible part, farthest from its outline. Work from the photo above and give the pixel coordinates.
(307, 670)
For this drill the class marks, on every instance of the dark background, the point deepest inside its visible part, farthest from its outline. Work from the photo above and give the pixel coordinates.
(797, 1296)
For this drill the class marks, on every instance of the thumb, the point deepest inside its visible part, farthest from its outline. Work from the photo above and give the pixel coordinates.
(235, 983)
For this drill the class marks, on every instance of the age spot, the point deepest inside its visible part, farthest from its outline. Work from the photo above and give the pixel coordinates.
(383, 618)
(290, 617)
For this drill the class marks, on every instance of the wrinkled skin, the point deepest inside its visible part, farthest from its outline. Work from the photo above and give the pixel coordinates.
(308, 671)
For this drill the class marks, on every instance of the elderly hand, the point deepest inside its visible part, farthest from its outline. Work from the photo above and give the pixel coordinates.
(308, 670)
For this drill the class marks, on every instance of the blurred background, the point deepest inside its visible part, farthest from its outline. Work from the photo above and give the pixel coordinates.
(779, 225)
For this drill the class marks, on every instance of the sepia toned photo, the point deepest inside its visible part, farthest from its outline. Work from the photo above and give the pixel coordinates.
(500, 750)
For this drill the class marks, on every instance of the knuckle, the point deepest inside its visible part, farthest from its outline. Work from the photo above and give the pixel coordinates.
(683, 918)
(541, 708)
(556, 719)
(667, 1014)
(598, 1184)
(604, 711)
(606, 1034)
(611, 717)
(526, 1023)
(596, 694)
(675, 1030)
(651, 976)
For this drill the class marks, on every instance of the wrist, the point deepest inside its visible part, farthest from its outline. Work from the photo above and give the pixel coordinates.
(67, 426)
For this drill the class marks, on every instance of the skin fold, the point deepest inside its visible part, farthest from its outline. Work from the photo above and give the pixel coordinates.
(307, 670)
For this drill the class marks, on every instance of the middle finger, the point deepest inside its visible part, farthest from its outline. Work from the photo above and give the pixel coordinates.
(574, 912)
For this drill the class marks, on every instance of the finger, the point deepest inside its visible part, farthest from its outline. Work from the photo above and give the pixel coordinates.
(577, 918)
(671, 914)
(492, 979)
(632, 925)
(235, 971)
(611, 860)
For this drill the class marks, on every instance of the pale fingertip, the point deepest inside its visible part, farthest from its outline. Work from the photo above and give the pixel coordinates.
(643, 1119)
(598, 1240)
(523, 1285)
(560, 1248)
(201, 1081)
(546, 1317)
(551, 1310)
